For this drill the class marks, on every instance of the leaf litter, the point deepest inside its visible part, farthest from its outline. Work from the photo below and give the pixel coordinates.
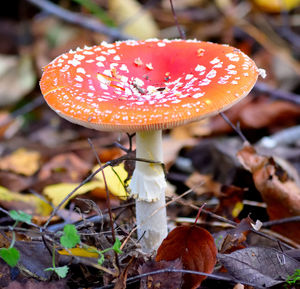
(44, 158)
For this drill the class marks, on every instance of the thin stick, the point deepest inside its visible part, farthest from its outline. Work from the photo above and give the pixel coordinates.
(281, 221)
(84, 21)
(168, 203)
(235, 128)
(107, 201)
(180, 30)
(169, 270)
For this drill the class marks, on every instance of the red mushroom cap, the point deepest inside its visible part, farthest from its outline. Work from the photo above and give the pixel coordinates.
(146, 85)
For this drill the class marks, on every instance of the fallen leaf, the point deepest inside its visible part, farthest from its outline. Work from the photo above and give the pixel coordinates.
(170, 280)
(203, 184)
(279, 192)
(121, 280)
(277, 5)
(22, 162)
(230, 201)
(89, 252)
(64, 168)
(26, 202)
(17, 78)
(34, 258)
(264, 267)
(196, 249)
(115, 178)
(136, 21)
(56, 193)
(233, 239)
(14, 182)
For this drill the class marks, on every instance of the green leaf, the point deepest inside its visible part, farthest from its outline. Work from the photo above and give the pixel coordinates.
(20, 216)
(70, 238)
(293, 279)
(60, 271)
(117, 245)
(11, 256)
(101, 259)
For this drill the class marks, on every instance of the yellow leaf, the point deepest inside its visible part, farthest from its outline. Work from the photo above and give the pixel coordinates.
(56, 193)
(22, 162)
(28, 203)
(89, 252)
(237, 209)
(277, 5)
(136, 21)
(115, 178)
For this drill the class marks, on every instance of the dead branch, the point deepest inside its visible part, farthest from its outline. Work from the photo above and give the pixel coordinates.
(78, 19)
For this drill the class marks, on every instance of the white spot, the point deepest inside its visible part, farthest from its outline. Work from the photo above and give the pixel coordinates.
(211, 74)
(189, 76)
(90, 61)
(262, 73)
(117, 57)
(79, 78)
(197, 95)
(161, 44)
(149, 66)
(101, 58)
(107, 72)
(124, 67)
(103, 86)
(233, 56)
(200, 68)
(79, 56)
(88, 52)
(74, 62)
(231, 66)
(215, 60)
(80, 70)
(204, 82)
(111, 51)
(113, 65)
(100, 64)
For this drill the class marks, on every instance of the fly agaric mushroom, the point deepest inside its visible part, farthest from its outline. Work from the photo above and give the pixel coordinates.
(145, 87)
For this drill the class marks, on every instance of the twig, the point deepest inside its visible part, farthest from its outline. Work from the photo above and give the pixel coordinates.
(235, 128)
(180, 30)
(222, 219)
(281, 221)
(276, 93)
(169, 270)
(23, 110)
(87, 179)
(153, 213)
(107, 202)
(84, 21)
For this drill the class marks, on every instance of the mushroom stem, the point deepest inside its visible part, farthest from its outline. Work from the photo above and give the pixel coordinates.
(148, 186)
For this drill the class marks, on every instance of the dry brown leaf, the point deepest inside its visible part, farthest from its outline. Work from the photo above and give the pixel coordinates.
(17, 78)
(22, 162)
(64, 168)
(203, 184)
(280, 193)
(170, 280)
(196, 249)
